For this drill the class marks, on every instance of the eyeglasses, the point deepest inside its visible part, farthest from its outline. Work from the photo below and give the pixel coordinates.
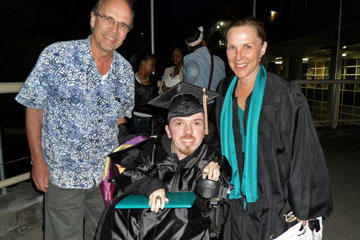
(111, 22)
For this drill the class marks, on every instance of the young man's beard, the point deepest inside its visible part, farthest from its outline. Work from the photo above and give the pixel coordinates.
(187, 149)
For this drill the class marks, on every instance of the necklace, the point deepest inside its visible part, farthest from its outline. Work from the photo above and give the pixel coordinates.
(176, 70)
(145, 81)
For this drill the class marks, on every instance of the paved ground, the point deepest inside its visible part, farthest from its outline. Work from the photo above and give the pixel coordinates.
(343, 158)
(34, 234)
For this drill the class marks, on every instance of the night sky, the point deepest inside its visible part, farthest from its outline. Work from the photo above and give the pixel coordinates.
(29, 26)
(26, 27)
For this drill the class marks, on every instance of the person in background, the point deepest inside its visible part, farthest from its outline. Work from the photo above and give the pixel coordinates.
(200, 66)
(75, 97)
(203, 69)
(268, 136)
(173, 75)
(146, 89)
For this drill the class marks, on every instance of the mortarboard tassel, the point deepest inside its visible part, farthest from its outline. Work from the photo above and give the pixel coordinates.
(206, 128)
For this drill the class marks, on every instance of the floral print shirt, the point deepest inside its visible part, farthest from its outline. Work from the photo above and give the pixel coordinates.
(81, 109)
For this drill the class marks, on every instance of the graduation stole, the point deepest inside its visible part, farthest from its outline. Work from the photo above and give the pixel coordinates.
(249, 180)
(107, 187)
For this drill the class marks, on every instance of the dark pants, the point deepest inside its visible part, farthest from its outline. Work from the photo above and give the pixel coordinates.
(148, 125)
(141, 125)
(67, 210)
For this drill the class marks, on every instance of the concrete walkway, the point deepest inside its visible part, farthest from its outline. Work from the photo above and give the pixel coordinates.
(343, 159)
(20, 211)
(33, 234)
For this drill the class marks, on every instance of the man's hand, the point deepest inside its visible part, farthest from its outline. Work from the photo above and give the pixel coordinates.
(40, 176)
(157, 200)
(121, 120)
(211, 171)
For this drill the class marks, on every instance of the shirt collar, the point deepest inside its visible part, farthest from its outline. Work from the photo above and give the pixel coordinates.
(115, 61)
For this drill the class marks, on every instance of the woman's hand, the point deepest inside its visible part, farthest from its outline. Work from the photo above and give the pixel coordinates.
(303, 222)
(211, 171)
(157, 200)
(165, 88)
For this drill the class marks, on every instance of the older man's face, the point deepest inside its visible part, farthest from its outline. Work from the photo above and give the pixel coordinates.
(107, 24)
(186, 134)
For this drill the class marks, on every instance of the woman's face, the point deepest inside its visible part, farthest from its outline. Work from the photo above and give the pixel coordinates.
(244, 50)
(148, 65)
(177, 57)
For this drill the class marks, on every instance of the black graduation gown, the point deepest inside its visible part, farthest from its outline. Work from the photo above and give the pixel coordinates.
(292, 172)
(158, 168)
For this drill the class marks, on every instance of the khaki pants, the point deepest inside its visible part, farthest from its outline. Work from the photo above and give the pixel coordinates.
(72, 214)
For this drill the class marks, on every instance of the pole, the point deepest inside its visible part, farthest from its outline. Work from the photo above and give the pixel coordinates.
(2, 166)
(254, 8)
(152, 28)
(335, 103)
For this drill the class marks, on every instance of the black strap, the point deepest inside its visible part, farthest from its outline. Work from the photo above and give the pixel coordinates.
(211, 71)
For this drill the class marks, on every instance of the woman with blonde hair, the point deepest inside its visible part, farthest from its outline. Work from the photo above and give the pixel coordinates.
(267, 134)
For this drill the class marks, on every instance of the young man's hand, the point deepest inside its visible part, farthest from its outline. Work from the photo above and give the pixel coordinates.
(157, 200)
(211, 171)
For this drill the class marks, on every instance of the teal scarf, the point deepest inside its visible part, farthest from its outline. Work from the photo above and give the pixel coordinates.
(249, 180)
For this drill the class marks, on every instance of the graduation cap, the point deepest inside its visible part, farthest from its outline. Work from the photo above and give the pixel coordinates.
(183, 100)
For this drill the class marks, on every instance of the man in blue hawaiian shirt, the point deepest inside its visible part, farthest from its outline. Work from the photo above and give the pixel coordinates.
(76, 95)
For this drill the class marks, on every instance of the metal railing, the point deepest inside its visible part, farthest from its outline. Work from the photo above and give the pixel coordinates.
(9, 87)
(327, 103)
(332, 113)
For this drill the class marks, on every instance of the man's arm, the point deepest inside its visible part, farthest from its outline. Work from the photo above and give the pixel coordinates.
(40, 172)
